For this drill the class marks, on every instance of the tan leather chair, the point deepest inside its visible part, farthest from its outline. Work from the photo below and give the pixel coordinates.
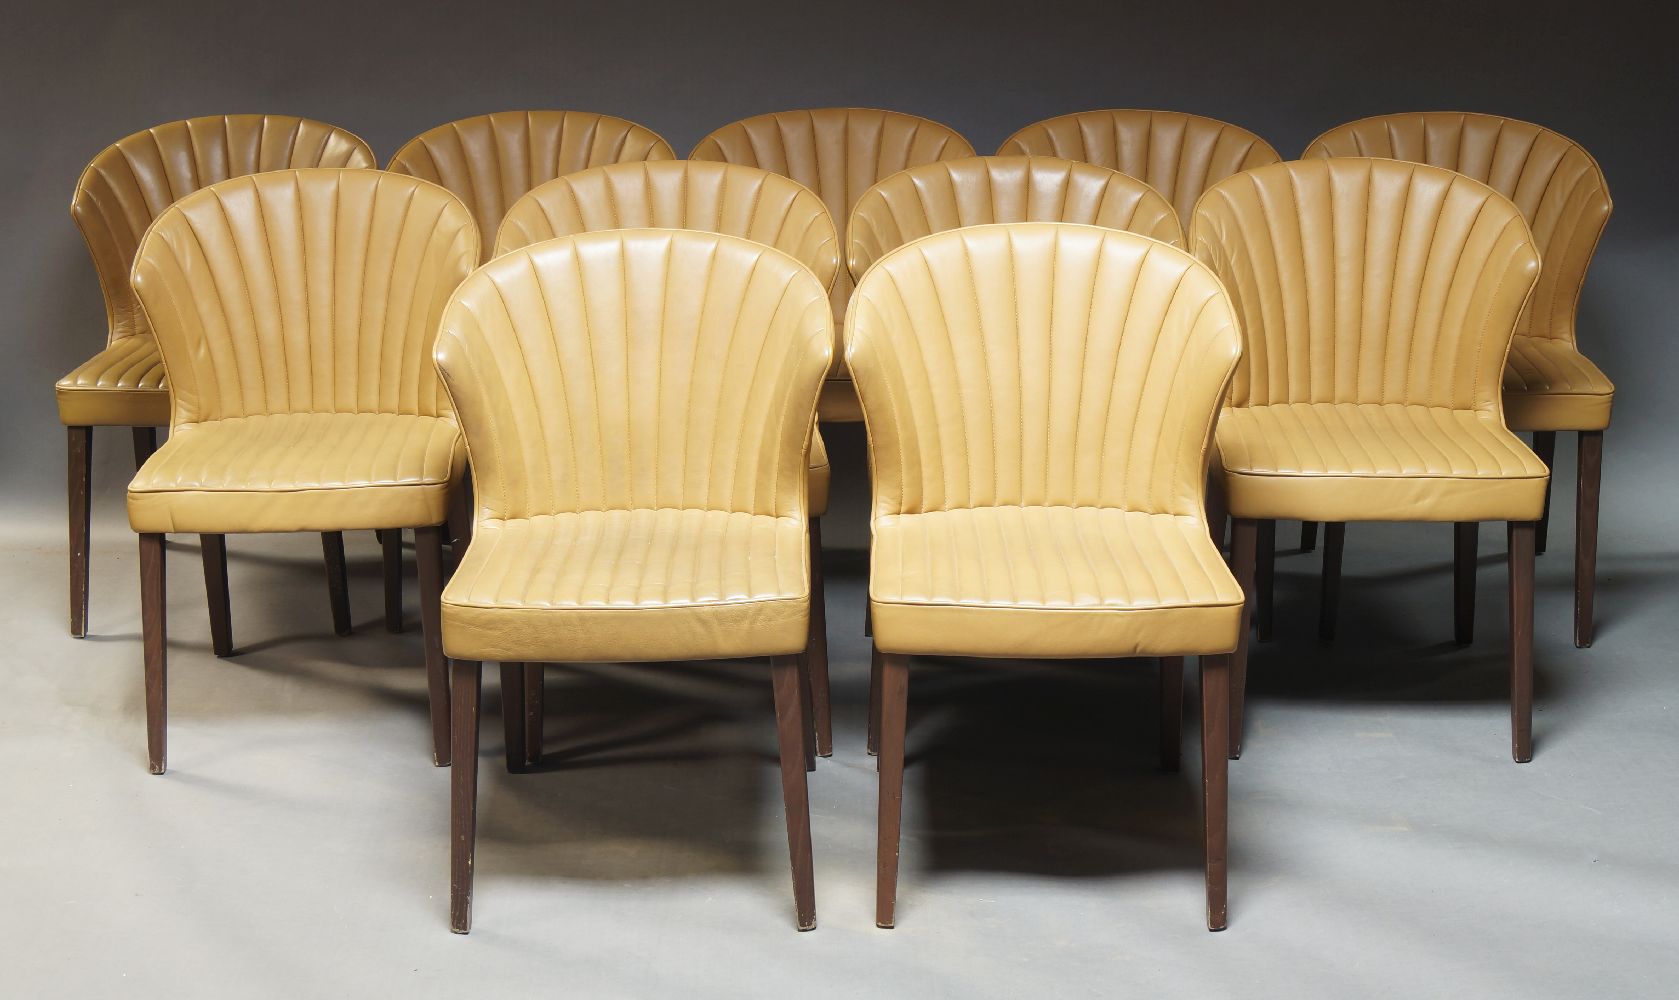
(1180, 155)
(712, 197)
(119, 194)
(638, 406)
(490, 161)
(839, 153)
(1377, 300)
(981, 190)
(1052, 505)
(295, 311)
(1549, 386)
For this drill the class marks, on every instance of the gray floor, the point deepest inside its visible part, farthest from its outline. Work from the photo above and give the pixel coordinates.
(1383, 844)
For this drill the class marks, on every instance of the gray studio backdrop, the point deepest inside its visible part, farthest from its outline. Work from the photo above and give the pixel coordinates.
(75, 76)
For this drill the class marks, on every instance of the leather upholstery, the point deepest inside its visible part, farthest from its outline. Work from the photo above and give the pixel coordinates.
(295, 311)
(1548, 384)
(839, 153)
(637, 405)
(988, 189)
(490, 161)
(1377, 301)
(1040, 401)
(722, 198)
(1180, 155)
(119, 194)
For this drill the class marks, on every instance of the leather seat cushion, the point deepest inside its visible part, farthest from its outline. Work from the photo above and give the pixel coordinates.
(1050, 582)
(623, 585)
(1550, 386)
(122, 386)
(1376, 462)
(818, 477)
(299, 472)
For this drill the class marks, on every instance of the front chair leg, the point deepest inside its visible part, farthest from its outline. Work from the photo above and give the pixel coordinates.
(1215, 772)
(785, 673)
(1329, 600)
(214, 548)
(337, 584)
(154, 632)
(1244, 549)
(81, 524)
(816, 650)
(463, 793)
(535, 708)
(428, 550)
(1171, 712)
(1521, 639)
(1464, 542)
(1585, 536)
(894, 707)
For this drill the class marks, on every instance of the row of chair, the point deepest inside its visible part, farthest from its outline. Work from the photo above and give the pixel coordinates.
(296, 407)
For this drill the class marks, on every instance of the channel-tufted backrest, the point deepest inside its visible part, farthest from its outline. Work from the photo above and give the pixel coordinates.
(637, 369)
(1367, 281)
(131, 181)
(1180, 155)
(980, 190)
(1040, 364)
(1557, 185)
(722, 198)
(490, 161)
(837, 152)
(304, 291)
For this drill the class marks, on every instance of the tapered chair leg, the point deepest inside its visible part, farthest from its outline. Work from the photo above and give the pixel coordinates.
(535, 709)
(1217, 515)
(806, 712)
(215, 591)
(463, 792)
(1215, 771)
(894, 705)
(145, 442)
(816, 651)
(1545, 446)
(1244, 546)
(513, 714)
(81, 525)
(1585, 537)
(1465, 540)
(1308, 536)
(1265, 576)
(1171, 712)
(785, 674)
(1521, 639)
(1329, 597)
(428, 550)
(337, 583)
(874, 700)
(390, 541)
(154, 640)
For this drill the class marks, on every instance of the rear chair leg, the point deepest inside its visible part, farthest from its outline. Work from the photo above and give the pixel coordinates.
(816, 651)
(1329, 601)
(534, 711)
(337, 586)
(1521, 639)
(785, 675)
(1464, 542)
(1244, 546)
(513, 714)
(154, 634)
(1308, 536)
(1545, 446)
(145, 442)
(1171, 712)
(1585, 537)
(81, 524)
(390, 541)
(1265, 576)
(428, 549)
(214, 548)
(463, 792)
(874, 701)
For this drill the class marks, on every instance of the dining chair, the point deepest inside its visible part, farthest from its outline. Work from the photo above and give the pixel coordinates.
(1040, 400)
(1377, 300)
(712, 197)
(295, 311)
(839, 153)
(638, 406)
(1549, 385)
(122, 190)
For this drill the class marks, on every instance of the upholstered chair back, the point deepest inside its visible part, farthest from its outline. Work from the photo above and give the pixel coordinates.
(1040, 364)
(304, 291)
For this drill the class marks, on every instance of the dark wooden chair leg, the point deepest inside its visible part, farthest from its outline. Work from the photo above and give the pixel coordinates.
(1171, 713)
(868, 617)
(1244, 546)
(1308, 536)
(1465, 540)
(894, 705)
(463, 792)
(1585, 537)
(154, 633)
(785, 678)
(1265, 576)
(874, 701)
(1545, 446)
(1522, 546)
(459, 531)
(390, 541)
(428, 550)
(145, 442)
(513, 715)
(1218, 515)
(1215, 772)
(807, 715)
(816, 651)
(1329, 597)
(215, 590)
(535, 709)
(337, 584)
(81, 525)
